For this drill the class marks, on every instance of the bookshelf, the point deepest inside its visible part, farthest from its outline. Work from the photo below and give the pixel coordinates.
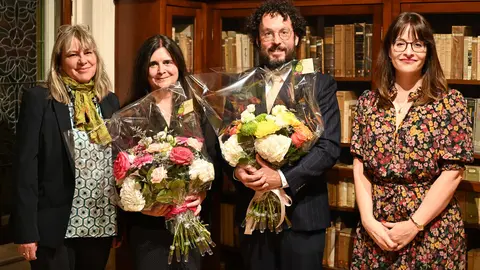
(182, 27)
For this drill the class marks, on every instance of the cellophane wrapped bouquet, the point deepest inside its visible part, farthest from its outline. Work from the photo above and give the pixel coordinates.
(236, 105)
(160, 163)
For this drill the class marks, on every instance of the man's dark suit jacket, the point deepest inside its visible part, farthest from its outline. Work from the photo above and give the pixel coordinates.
(307, 178)
(44, 172)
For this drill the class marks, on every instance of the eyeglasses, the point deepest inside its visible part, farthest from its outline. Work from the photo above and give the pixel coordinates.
(417, 46)
(269, 36)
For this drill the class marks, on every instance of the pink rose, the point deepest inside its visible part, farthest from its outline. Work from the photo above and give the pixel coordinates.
(139, 161)
(181, 155)
(121, 166)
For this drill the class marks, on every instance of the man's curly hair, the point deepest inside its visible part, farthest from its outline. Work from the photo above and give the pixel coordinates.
(273, 7)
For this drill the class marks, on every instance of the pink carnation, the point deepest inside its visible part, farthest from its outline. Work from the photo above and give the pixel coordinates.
(139, 161)
(121, 166)
(181, 140)
(181, 155)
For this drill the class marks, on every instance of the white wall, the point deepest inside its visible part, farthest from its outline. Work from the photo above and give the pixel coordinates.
(51, 10)
(100, 16)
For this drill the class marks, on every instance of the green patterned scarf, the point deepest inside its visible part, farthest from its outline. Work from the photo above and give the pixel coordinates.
(86, 116)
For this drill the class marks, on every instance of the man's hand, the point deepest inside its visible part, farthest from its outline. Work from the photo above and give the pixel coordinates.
(158, 210)
(28, 251)
(250, 177)
(196, 201)
(272, 177)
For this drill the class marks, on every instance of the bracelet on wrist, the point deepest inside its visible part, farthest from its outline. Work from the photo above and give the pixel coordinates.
(420, 227)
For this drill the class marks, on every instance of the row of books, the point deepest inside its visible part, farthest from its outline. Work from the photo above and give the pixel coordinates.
(345, 50)
(473, 107)
(459, 53)
(338, 245)
(183, 35)
(237, 51)
(341, 192)
(347, 103)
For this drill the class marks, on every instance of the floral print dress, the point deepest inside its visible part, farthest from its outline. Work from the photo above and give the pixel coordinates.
(402, 165)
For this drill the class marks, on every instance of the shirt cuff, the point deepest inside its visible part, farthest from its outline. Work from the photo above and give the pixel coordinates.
(284, 180)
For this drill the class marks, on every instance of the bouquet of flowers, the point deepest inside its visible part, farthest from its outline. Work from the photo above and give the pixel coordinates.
(162, 162)
(235, 104)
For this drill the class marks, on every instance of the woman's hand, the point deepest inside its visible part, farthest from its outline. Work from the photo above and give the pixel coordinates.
(28, 251)
(379, 234)
(196, 201)
(158, 210)
(401, 233)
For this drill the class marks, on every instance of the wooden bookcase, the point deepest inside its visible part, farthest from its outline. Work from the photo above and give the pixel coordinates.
(136, 20)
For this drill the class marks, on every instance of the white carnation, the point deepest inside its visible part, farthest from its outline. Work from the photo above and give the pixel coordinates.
(202, 170)
(251, 108)
(277, 109)
(273, 148)
(195, 144)
(247, 116)
(131, 198)
(232, 151)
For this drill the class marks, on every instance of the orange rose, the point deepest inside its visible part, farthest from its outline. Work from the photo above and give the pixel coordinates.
(298, 139)
(305, 131)
(301, 135)
(233, 130)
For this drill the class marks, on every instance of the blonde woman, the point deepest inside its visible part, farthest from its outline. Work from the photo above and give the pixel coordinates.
(64, 215)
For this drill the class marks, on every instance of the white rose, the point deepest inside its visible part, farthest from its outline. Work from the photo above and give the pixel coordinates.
(277, 109)
(159, 147)
(247, 116)
(232, 151)
(131, 198)
(201, 169)
(195, 144)
(273, 148)
(158, 175)
(251, 108)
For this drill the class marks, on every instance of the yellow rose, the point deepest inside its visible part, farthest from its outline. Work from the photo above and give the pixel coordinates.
(265, 128)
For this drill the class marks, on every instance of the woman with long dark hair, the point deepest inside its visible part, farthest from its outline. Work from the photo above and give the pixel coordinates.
(159, 65)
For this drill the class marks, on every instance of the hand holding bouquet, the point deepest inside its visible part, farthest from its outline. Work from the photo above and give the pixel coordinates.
(237, 110)
(279, 138)
(160, 164)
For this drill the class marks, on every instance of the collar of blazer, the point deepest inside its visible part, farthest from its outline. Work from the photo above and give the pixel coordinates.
(64, 123)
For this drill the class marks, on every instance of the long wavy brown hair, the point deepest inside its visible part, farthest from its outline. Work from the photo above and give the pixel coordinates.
(434, 84)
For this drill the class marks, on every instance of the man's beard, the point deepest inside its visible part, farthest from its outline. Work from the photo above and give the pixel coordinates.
(265, 61)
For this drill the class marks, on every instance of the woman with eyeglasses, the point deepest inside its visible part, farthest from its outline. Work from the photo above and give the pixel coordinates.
(411, 139)
(64, 214)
